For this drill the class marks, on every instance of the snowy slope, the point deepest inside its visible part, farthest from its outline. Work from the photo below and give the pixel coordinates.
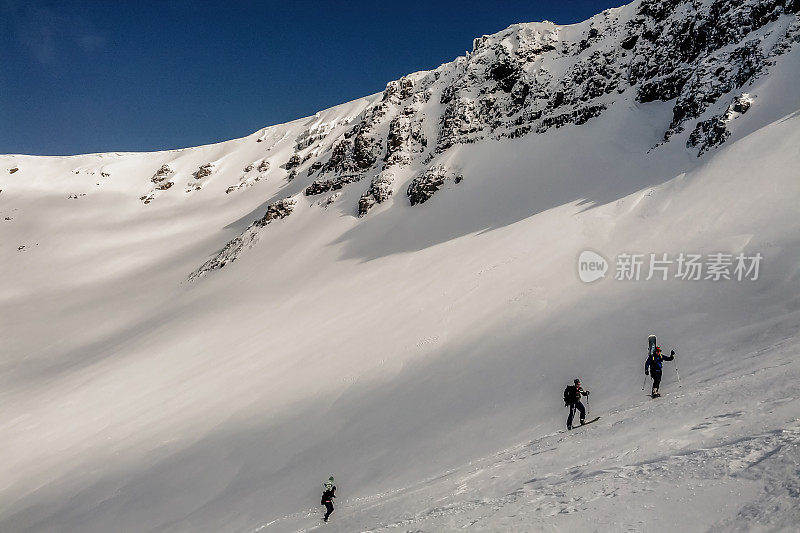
(154, 378)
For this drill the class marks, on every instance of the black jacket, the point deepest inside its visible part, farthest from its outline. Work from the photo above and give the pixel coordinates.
(654, 362)
(573, 393)
(328, 495)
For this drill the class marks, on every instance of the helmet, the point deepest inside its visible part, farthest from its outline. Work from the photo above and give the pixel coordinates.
(330, 478)
(658, 348)
(576, 381)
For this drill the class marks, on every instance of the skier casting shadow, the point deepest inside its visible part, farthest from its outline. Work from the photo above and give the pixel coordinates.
(653, 364)
(327, 498)
(572, 399)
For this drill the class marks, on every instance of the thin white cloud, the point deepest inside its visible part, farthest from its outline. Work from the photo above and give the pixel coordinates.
(47, 34)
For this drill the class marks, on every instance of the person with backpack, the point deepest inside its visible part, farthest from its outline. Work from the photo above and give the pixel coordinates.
(572, 399)
(653, 366)
(327, 497)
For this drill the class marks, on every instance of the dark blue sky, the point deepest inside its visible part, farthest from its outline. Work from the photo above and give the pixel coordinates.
(99, 76)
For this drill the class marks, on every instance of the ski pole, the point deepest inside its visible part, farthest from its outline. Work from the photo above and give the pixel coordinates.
(679, 376)
(644, 382)
(588, 407)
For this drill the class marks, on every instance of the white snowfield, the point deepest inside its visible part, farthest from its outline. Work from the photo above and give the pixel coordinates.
(418, 354)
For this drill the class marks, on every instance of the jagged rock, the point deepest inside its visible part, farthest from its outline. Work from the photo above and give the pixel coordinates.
(105, 174)
(741, 104)
(578, 117)
(709, 133)
(324, 185)
(447, 95)
(398, 90)
(460, 119)
(165, 186)
(293, 162)
(698, 59)
(161, 174)
(629, 42)
(530, 78)
(423, 187)
(203, 171)
(277, 210)
(380, 189)
(506, 73)
(714, 131)
(316, 165)
(248, 168)
(664, 88)
(405, 136)
(713, 79)
(353, 155)
(12, 170)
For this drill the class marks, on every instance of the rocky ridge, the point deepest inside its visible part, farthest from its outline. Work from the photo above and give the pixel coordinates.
(531, 78)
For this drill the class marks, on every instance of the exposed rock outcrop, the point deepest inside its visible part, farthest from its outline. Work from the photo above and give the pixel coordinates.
(694, 55)
(425, 185)
(334, 184)
(230, 252)
(162, 174)
(380, 189)
(714, 131)
(204, 171)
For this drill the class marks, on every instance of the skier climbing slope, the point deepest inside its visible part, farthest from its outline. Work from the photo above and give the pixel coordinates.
(653, 365)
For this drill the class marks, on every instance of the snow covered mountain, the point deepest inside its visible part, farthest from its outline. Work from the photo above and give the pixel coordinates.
(390, 292)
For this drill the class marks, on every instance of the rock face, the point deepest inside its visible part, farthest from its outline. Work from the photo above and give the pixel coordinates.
(714, 131)
(334, 184)
(423, 187)
(276, 211)
(379, 191)
(293, 162)
(530, 78)
(162, 173)
(161, 180)
(204, 171)
(699, 56)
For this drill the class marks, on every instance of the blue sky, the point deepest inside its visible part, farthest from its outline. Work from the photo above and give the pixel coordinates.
(100, 76)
